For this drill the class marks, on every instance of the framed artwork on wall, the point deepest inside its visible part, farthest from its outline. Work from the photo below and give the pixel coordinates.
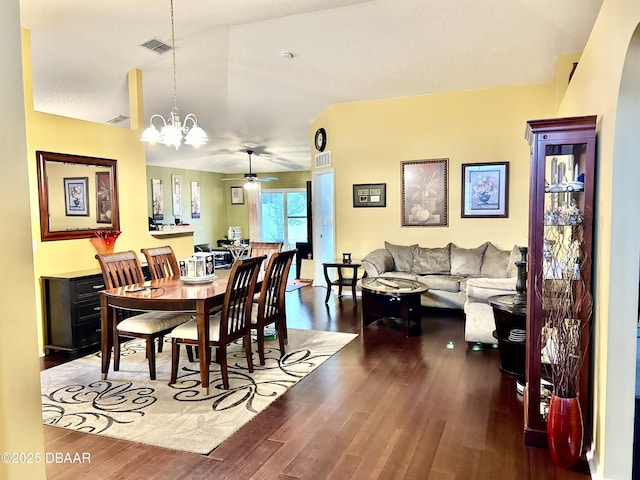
(195, 199)
(425, 193)
(237, 196)
(176, 194)
(76, 201)
(485, 190)
(370, 195)
(156, 199)
(103, 197)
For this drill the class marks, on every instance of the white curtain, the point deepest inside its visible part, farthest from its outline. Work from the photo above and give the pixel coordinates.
(254, 203)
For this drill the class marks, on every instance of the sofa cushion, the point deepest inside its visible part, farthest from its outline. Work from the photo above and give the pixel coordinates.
(516, 256)
(445, 283)
(466, 261)
(480, 289)
(431, 260)
(405, 275)
(377, 262)
(495, 262)
(402, 256)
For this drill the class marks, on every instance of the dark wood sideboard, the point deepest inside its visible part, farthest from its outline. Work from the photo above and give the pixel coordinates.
(71, 311)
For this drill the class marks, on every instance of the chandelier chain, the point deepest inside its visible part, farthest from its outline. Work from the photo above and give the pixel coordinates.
(173, 52)
(174, 131)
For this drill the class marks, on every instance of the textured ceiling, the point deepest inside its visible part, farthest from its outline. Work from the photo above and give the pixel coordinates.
(231, 74)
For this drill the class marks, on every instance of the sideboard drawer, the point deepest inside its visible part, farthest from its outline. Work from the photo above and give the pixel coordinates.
(71, 304)
(89, 286)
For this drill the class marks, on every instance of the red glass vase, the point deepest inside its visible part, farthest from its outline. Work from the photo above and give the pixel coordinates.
(105, 242)
(565, 431)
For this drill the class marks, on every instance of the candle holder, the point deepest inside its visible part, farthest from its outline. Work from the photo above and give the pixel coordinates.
(346, 258)
(521, 281)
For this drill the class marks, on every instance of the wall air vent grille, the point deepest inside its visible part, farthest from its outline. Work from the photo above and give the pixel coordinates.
(156, 46)
(117, 119)
(323, 159)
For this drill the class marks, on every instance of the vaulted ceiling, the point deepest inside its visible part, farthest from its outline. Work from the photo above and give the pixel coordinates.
(232, 72)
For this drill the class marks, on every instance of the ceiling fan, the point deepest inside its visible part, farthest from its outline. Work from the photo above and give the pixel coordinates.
(251, 178)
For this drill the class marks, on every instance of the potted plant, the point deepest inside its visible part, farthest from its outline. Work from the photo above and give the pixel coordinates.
(568, 305)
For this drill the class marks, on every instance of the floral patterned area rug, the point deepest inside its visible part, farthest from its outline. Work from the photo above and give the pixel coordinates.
(129, 406)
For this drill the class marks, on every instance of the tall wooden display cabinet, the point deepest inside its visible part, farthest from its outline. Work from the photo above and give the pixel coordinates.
(560, 255)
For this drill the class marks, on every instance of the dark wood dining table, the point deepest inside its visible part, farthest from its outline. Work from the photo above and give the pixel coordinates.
(166, 294)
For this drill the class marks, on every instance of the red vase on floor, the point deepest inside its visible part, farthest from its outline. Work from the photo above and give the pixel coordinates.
(565, 431)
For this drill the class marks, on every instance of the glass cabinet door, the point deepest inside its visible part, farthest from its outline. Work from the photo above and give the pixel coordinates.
(559, 273)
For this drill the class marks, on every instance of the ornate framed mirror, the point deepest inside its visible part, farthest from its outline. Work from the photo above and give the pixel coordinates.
(78, 195)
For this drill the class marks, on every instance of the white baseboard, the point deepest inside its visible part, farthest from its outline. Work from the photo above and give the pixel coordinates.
(594, 463)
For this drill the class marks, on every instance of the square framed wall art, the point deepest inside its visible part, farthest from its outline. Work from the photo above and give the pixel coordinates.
(370, 195)
(485, 190)
(425, 193)
(237, 195)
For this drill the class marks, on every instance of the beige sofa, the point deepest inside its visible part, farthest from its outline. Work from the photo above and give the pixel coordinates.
(460, 278)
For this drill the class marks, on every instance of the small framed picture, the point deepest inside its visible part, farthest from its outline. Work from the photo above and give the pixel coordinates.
(237, 196)
(370, 195)
(76, 200)
(485, 190)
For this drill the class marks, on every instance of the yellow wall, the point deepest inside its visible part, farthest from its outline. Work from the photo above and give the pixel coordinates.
(20, 409)
(217, 213)
(66, 135)
(607, 83)
(212, 222)
(368, 140)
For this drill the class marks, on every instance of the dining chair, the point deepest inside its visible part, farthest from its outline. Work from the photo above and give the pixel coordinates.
(162, 262)
(263, 248)
(123, 268)
(226, 326)
(271, 307)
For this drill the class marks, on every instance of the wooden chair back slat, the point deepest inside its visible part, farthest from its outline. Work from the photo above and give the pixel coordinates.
(236, 310)
(120, 268)
(162, 262)
(274, 285)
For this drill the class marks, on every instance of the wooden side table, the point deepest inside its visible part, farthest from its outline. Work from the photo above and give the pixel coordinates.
(396, 299)
(342, 280)
(510, 332)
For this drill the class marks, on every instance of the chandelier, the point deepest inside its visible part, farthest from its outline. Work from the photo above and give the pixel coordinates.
(173, 131)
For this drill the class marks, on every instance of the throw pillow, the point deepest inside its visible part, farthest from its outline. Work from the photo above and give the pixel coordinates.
(431, 260)
(402, 256)
(466, 261)
(495, 262)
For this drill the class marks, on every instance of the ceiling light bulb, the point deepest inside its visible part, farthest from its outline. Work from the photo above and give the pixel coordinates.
(151, 135)
(196, 137)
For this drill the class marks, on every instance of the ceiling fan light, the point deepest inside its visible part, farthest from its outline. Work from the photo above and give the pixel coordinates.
(251, 185)
(196, 137)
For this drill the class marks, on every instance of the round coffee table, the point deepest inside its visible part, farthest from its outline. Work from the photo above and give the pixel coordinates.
(397, 299)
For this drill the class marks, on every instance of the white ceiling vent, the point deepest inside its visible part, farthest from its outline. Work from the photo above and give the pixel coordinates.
(156, 46)
(323, 159)
(117, 119)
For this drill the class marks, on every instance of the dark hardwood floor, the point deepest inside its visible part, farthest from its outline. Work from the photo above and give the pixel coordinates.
(385, 406)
